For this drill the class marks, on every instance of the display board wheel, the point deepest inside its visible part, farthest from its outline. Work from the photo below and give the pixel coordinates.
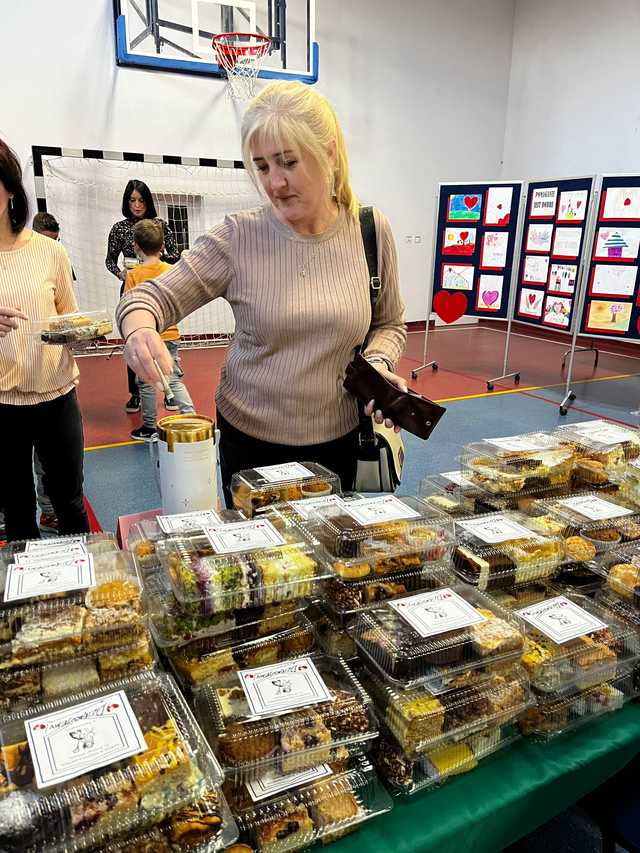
(516, 379)
(489, 386)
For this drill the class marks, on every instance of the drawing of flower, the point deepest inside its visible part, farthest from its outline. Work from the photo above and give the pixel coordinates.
(615, 308)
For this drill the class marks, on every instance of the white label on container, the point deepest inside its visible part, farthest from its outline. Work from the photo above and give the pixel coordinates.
(269, 784)
(595, 509)
(560, 619)
(284, 473)
(185, 522)
(84, 737)
(379, 509)
(493, 529)
(243, 536)
(46, 577)
(604, 432)
(458, 478)
(517, 443)
(49, 545)
(436, 612)
(307, 507)
(281, 687)
(70, 552)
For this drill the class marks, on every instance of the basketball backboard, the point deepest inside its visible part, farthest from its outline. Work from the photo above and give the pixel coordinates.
(175, 35)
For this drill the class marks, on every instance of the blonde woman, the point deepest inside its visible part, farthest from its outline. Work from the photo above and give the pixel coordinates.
(295, 274)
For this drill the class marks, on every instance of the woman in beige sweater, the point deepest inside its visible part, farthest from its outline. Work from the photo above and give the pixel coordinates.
(295, 274)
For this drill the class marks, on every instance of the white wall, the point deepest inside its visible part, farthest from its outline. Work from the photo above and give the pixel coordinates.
(573, 106)
(420, 86)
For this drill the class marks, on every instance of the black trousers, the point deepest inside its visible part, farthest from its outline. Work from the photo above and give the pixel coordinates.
(54, 429)
(239, 451)
(132, 385)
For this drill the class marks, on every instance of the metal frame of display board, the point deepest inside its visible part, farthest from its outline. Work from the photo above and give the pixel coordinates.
(431, 270)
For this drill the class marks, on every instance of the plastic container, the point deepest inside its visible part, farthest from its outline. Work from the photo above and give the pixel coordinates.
(331, 636)
(420, 721)
(249, 746)
(620, 569)
(407, 776)
(320, 812)
(629, 485)
(602, 450)
(560, 659)
(408, 534)
(390, 644)
(516, 463)
(498, 551)
(75, 328)
(88, 769)
(256, 488)
(566, 713)
(452, 493)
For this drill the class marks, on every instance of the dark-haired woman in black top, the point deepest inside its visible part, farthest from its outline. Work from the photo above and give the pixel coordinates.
(137, 204)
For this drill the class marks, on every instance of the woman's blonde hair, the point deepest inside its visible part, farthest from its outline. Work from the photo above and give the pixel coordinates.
(296, 116)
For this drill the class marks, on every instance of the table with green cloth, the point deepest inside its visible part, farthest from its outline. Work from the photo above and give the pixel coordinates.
(506, 796)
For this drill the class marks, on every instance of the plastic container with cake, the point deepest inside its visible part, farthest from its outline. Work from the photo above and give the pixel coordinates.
(250, 745)
(454, 494)
(255, 489)
(90, 768)
(331, 636)
(562, 714)
(406, 775)
(513, 464)
(602, 450)
(629, 485)
(561, 660)
(76, 328)
(620, 569)
(395, 645)
(499, 551)
(381, 536)
(318, 812)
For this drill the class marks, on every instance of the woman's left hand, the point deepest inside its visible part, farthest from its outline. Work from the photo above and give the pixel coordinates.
(370, 408)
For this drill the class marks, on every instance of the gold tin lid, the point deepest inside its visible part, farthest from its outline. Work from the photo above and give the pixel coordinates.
(185, 429)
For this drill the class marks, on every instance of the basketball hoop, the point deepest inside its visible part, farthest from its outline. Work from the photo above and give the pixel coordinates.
(241, 55)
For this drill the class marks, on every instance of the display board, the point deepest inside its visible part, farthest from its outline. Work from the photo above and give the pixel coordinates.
(474, 249)
(553, 237)
(612, 295)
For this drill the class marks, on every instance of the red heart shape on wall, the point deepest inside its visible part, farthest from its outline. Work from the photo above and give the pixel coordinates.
(464, 235)
(578, 203)
(499, 207)
(627, 202)
(449, 306)
(531, 298)
(470, 201)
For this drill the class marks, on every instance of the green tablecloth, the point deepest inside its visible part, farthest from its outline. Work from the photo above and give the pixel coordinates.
(507, 796)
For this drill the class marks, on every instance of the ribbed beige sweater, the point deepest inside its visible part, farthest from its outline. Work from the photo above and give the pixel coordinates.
(301, 306)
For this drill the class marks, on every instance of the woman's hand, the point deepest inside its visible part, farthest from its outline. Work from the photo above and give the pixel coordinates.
(142, 347)
(394, 379)
(9, 319)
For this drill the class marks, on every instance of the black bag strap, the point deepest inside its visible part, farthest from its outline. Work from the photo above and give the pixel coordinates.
(370, 242)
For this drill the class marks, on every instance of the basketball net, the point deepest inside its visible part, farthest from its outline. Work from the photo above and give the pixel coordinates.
(241, 55)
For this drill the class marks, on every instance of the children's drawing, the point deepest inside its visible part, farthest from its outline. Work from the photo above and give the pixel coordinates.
(493, 255)
(617, 244)
(611, 280)
(539, 238)
(490, 293)
(562, 278)
(610, 317)
(459, 241)
(457, 277)
(464, 207)
(498, 206)
(557, 311)
(536, 269)
(572, 206)
(543, 203)
(620, 203)
(566, 242)
(530, 303)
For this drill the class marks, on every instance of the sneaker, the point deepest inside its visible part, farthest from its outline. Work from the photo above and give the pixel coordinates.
(132, 405)
(171, 407)
(48, 521)
(144, 433)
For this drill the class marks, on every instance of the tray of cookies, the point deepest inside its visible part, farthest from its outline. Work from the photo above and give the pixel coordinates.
(602, 450)
(499, 550)
(86, 769)
(453, 493)
(285, 717)
(573, 642)
(407, 776)
(381, 535)
(331, 636)
(74, 328)
(566, 713)
(620, 569)
(434, 639)
(515, 463)
(255, 489)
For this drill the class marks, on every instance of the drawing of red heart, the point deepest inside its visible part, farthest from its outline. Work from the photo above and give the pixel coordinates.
(499, 207)
(470, 201)
(490, 296)
(464, 235)
(449, 306)
(578, 203)
(627, 202)
(531, 298)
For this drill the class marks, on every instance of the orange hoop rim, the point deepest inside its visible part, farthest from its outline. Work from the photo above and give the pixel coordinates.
(232, 52)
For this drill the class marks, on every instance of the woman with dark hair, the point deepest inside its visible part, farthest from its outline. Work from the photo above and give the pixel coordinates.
(137, 204)
(38, 405)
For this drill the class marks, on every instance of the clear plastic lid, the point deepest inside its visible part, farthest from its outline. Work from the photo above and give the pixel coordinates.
(620, 569)
(500, 550)
(72, 328)
(514, 463)
(524, 500)
(256, 488)
(381, 535)
(100, 764)
(629, 485)
(324, 810)
(331, 636)
(487, 638)
(286, 740)
(420, 721)
(454, 494)
(408, 776)
(205, 660)
(573, 642)
(566, 713)
(602, 448)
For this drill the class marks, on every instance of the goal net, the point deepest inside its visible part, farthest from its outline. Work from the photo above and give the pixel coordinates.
(85, 196)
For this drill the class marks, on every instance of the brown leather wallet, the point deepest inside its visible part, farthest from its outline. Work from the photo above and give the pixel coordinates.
(409, 409)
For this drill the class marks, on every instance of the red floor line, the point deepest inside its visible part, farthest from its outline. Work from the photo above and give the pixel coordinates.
(575, 408)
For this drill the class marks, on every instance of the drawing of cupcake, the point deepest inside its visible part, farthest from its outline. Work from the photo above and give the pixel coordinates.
(614, 245)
